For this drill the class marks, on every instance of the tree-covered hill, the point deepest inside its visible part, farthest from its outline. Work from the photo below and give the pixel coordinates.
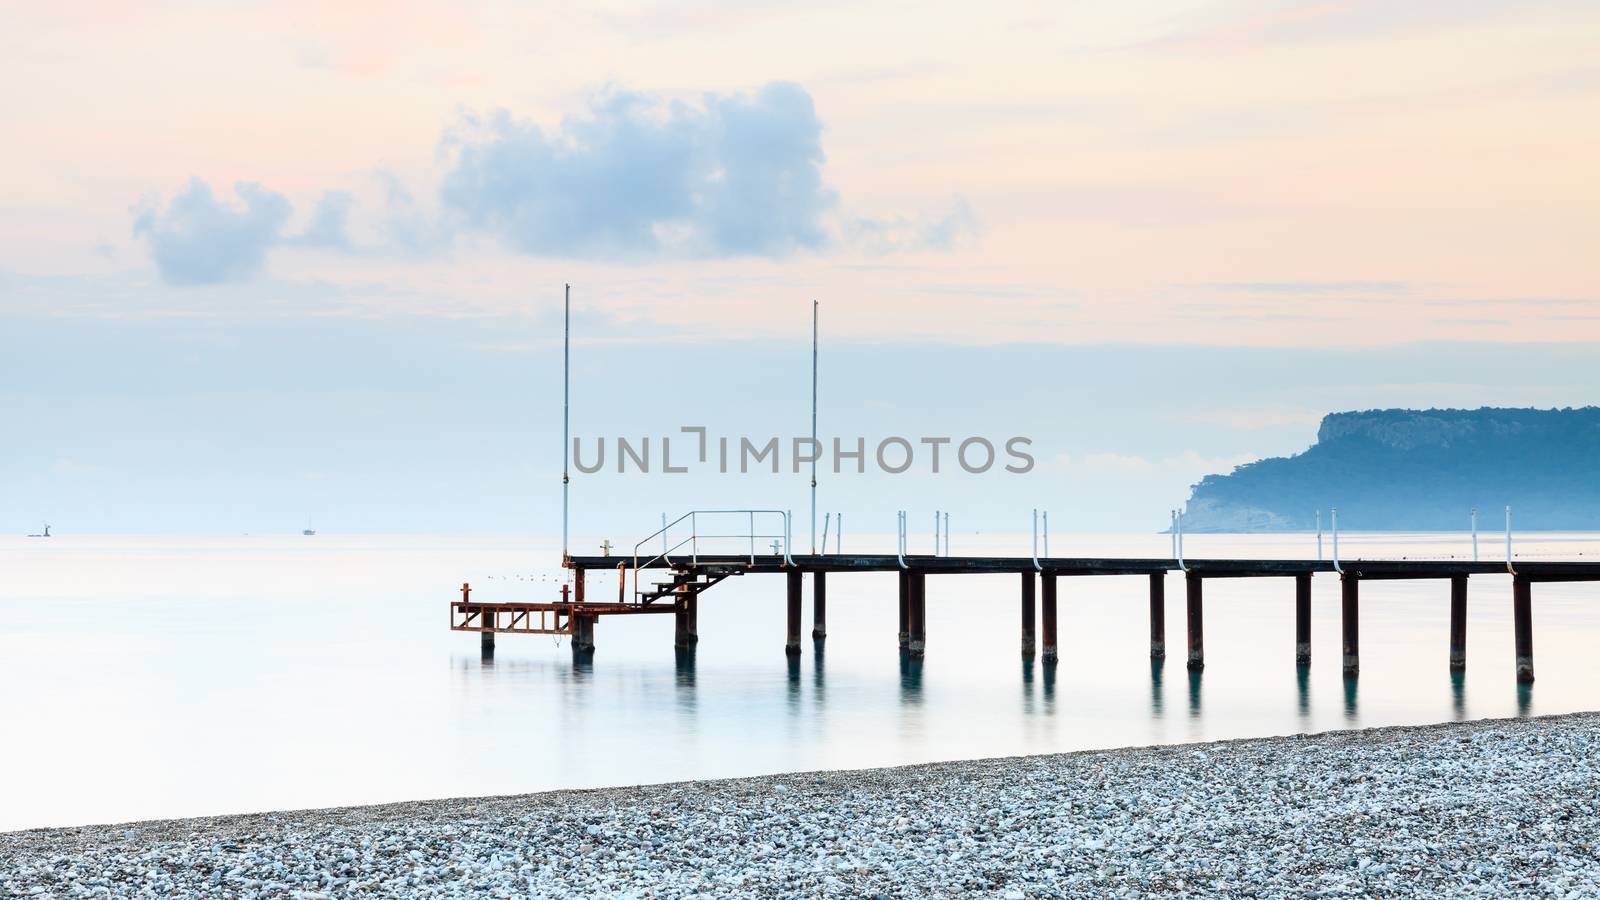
(1402, 469)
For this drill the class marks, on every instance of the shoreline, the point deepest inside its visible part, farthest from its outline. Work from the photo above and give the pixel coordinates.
(1422, 809)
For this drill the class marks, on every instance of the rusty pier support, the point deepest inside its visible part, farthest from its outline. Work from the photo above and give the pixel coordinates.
(1350, 618)
(485, 638)
(686, 631)
(1302, 619)
(905, 609)
(918, 617)
(1027, 615)
(1158, 615)
(1194, 585)
(1522, 624)
(791, 644)
(582, 634)
(819, 605)
(1048, 617)
(1458, 623)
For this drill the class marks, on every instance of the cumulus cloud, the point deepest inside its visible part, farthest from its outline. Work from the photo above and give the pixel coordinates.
(633, 177)
(199, 239)
(636, 176)
(328, 228)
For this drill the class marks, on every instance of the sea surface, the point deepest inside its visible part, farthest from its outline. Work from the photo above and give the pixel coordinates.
(159, 677)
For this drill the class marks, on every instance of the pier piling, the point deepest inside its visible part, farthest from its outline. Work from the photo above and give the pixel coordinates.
(1197, 645)
(1048, 602)
(684, 626)
(791, 645)
(1350, 616)
(1458, 623)
(1158, 615)
(1027, 615)
(905, 609)
(918, 617)
(819, 605)
(1302, 619)
(583, 635)
(1522, 623)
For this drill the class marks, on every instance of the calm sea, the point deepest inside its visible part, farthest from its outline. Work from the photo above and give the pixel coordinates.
(161, 677)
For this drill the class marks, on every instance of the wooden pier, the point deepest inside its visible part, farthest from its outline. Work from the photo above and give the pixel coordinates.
(691, 575)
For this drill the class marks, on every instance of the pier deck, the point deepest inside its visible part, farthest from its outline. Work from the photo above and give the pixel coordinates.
(692, 574)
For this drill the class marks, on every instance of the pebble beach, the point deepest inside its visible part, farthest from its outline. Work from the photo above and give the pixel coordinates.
(1493, 808)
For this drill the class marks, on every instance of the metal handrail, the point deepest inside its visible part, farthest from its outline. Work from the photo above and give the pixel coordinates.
(692, 541)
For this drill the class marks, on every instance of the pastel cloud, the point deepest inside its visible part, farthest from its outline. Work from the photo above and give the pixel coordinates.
(200, 239)
(640, 177)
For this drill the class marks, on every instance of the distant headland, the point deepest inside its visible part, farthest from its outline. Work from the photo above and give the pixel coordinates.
(1424, 470)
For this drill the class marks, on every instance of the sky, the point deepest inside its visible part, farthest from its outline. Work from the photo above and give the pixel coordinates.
(265, 262)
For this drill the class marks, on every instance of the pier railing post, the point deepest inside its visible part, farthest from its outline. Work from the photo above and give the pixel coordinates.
(1302, 619)
(1458, 622)
(1048, 602)
(1193, 584)
(905, 609)
(1158, 615)
(1522, 622)
(791, 644)
(819, 605)
(1027, 615)
(918, 614)
(1350, 614)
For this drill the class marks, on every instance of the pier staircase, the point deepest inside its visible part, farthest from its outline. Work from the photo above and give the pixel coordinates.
(683, 542)
(687, 583)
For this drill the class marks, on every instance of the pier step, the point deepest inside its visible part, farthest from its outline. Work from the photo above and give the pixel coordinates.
(687, 583)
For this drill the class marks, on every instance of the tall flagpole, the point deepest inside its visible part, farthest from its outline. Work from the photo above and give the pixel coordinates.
(566, 410)
(816, 449)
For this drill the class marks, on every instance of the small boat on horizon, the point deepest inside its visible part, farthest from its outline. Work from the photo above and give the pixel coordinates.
(308, 531)
(45, 534)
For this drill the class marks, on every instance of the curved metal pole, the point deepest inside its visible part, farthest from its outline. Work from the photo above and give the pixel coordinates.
(1509, 567)
(788, 516)
(1335, 515)
(900, 538)
(827, 519)
(1178, 521)
(1036, 566)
